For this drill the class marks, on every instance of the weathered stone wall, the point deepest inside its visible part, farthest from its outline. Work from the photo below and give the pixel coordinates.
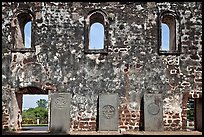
(131, 68)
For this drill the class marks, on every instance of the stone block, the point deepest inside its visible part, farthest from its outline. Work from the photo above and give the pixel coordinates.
(153, 112)
(108, 112)
(60, 112)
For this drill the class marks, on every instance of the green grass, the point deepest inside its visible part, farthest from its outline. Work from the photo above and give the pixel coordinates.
(28, 125)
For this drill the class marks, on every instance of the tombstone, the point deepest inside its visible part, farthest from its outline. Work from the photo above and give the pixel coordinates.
(108, 112)
(60, 112)
(153, 112)
(38, 121)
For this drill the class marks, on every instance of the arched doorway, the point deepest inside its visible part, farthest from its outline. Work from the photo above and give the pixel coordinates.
(19, 97)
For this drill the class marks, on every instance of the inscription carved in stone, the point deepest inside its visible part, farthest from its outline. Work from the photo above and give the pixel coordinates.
(108, 111)
(153, 108)
(60, 102)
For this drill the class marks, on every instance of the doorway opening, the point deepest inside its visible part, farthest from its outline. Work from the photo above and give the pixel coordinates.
(35, 109)
(190, 114)
(33, 113)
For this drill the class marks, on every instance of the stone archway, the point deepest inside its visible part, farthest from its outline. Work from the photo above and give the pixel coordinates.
(19, 99)
(31, 78)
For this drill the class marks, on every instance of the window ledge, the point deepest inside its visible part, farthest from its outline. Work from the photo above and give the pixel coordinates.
(96, 51)
(169, 53)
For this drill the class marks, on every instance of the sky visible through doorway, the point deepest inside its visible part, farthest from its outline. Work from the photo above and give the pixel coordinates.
(29, 101)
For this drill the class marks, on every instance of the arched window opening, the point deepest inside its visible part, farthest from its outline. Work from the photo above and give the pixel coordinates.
(27, 34)
(169, 31)
(96, 32)
(22, 27)
(165, 37)
(96, 36)
(25, 21)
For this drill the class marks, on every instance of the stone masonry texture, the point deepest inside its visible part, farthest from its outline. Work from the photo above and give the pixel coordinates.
(132, 66)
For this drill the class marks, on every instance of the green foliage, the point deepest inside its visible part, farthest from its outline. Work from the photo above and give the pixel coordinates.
(42, 103)
(40, 112)
(190, 115)
(191, 110)
(31, 115)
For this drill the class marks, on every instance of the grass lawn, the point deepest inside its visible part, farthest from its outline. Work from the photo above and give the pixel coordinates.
(28, 125)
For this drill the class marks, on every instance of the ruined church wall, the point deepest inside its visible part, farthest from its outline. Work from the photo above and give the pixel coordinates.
(131, 67)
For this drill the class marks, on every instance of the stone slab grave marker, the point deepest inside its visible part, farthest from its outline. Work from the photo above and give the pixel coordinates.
(153, 112)
(108, 112)
(60, 112)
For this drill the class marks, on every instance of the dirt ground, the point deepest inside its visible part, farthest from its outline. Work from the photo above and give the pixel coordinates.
(138, 133)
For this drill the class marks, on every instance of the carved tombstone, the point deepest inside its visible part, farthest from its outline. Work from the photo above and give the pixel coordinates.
(108, 112)
(60, 112)
(153, 112)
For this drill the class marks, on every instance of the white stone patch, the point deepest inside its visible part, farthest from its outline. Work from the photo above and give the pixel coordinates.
(193, 19)
(113, 41)
(25, 84)
(81, 20)
(65, 79)
(115, 63)
(3, 77)
(81, 45)
(156, 70)
(55, 58)
(173, 104)
(73, 51)
(72, 79)
(162, 77)
(92, 57)
(184, 36)
(133, 105)
(187, 13)
(152, 17)
(116, 70)
(10, 13)
(19, 57)
(138, 26)
(59, 29)
(173, 71)
(78, 56)
(124, 53)
(123, 67)
(37, 47)
(80, 85)
(100, 61)
(139, 7)
(55, 3)
(5, 22)
(27, 54)
(115, 80)
(122, 7)
(9, 38)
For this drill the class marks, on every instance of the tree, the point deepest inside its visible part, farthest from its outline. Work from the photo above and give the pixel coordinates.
(42, 103)
(40, 112)
(29, 116)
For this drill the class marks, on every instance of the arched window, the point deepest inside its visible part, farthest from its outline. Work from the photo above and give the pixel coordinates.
(96, 32)
(165, 37)
(96, 36)
(22, 31)
(27, 34)
(169, 33)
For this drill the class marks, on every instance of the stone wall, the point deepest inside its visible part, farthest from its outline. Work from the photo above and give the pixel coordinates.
(132, 66)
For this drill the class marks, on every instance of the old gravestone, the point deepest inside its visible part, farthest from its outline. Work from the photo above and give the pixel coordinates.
(153, 112)
(108, 112)
(60, 112)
